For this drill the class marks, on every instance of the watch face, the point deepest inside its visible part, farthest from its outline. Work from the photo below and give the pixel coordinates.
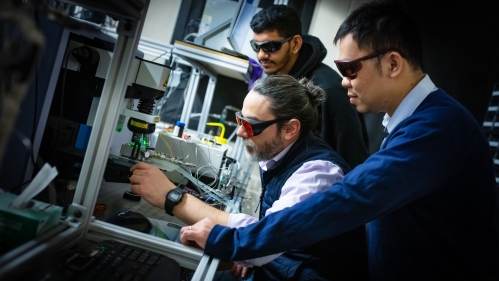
(174, 196)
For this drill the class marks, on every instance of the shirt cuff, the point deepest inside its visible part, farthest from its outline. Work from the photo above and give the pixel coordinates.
(240, 220)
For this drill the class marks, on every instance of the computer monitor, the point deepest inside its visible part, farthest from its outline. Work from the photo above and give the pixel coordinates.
(233, 31)
(240, 24)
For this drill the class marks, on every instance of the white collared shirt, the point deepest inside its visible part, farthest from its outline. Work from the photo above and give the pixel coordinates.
(312, 177)
(409, 103)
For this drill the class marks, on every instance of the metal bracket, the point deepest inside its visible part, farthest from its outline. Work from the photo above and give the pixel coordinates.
(126, 28)
(76, 214)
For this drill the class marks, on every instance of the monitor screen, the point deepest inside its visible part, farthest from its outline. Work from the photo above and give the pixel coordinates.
(240, 24)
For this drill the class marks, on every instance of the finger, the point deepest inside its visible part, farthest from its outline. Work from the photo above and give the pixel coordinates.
(138, 166)
(237, 271)
(188, 237)
(184, 228)
(183, 237)
(244, 272)
(136, 179)
(134, 167)
(233, 268)
(135, 188)
(139, 172)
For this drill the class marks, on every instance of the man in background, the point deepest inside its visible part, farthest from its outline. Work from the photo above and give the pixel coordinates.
(282, 49)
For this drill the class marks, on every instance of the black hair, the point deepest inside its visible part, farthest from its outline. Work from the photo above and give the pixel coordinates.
(282, 18)
(290, 98)
(380, 25)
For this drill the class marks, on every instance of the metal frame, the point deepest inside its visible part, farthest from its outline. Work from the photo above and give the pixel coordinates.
(205, 111)
(80, 224)
(47, 102)
(206, 269)
(128, 10)
(202, 38)
(17, 262)
(206, 61)
(187, 257)
(192, 88)
(112, 97)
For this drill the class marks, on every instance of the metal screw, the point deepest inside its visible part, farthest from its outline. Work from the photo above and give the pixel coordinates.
(77, 214)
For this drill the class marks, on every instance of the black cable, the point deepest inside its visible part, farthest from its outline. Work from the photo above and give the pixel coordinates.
(170, 60)
(36, 106)
(164, 53)
(17, 186)
(61, 107)
(27, 143)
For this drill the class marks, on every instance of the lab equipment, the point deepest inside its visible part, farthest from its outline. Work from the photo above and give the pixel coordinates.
(179, 129)
(131, 220)
(77, 226)
(110, 260)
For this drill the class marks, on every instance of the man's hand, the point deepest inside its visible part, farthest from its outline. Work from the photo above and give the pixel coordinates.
(240, 271)
(150, 183)
(196, 234)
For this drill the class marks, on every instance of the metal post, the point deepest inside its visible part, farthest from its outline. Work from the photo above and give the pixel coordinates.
(207, 104)
(190, 96)
(206, 269)
(113, 94)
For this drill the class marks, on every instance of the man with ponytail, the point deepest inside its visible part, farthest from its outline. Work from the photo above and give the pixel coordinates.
(276, 123)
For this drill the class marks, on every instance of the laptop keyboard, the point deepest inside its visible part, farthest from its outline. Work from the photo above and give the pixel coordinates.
(111, 260)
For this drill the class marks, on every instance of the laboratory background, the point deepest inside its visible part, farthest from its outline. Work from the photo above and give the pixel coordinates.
(90, 88)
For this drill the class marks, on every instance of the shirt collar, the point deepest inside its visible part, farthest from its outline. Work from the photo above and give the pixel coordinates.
(266, 165)
(409, 103)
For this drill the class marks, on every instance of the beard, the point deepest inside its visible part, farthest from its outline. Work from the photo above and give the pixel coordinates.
(265, 151)
(278, 67)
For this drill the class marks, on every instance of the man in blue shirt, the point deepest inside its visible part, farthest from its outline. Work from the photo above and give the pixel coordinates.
(429, 194)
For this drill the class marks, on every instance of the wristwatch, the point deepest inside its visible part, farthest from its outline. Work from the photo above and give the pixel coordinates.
(173, 197)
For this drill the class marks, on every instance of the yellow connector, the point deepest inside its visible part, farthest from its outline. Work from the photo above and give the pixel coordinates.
(219, 139)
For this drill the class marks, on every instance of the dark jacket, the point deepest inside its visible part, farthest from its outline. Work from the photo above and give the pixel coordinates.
(429, 193)
(340, 125)
(343, 257)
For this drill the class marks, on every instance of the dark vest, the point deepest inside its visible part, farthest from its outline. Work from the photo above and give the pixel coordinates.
(343, 257)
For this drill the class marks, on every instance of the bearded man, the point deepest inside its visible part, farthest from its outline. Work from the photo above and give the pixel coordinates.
(276, 123)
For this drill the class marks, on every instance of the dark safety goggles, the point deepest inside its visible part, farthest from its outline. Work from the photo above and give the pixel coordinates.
(268, 46)
(349, 68)
(253, 127)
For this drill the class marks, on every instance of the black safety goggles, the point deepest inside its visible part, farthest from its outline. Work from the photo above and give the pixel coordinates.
(270, 46)
(349, 68)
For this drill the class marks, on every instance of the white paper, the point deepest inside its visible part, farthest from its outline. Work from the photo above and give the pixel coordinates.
(41, 180)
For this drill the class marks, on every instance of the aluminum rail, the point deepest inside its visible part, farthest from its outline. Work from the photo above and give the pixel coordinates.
(187, 257)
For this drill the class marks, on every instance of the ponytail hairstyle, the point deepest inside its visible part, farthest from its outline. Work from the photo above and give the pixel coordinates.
(290, 98)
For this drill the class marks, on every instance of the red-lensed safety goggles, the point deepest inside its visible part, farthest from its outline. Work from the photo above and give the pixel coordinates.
(349, 68)
(254, 127)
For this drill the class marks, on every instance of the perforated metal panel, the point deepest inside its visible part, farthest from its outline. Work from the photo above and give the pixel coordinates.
(491, 128)
(200, 158)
